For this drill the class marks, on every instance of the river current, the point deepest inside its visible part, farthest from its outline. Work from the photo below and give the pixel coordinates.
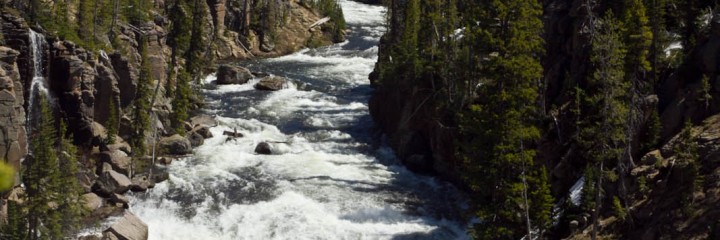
(330, 177)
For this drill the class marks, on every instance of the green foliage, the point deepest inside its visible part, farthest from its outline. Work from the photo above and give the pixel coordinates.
(705, 88)
(141, 112)
(113, 122)
(181, 102)
(332, 9)
(70, 205)
(602, 133)
(651, 138)
(686, 152)
(16, 227)
(500, 126)
(42, 178)
(620, 211)
(7, 176)
(137, 11)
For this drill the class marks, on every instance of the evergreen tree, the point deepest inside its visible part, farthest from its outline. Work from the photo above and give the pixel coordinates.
(42, 179)
(603, 134)
(16, 227)
(499, 155)
(141, 112)
(181, 102)
(686, 152)
(113, 122)
(70, 203)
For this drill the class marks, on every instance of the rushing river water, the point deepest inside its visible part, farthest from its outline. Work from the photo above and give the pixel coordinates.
(330, 177)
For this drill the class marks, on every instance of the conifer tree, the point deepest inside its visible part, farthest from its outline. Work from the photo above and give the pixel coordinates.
(499, 155)
(43, 179)
(112, 123)
(141, 112)
(181, 102)
(603, 134)
(70, 203)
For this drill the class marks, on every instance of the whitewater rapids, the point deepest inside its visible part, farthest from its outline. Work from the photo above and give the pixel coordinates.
(330, 176)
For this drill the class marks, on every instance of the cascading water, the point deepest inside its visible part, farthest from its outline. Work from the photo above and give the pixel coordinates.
(329, 177)
(38, 84)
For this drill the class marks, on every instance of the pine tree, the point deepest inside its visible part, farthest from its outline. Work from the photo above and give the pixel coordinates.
(499, 155)
(141, 112)
(70, 203)
(86, 19)
(686, 152)
(16, 227)
(112, 123)
(42, 179)
(181, 102)
(603, 135)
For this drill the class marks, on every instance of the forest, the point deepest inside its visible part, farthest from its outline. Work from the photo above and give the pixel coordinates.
(522, 98)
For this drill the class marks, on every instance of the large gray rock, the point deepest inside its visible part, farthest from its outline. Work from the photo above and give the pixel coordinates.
(233, 75)
(111, 182)
(119, 160)
(271, 83)
(129, 227)
(176, 145)
(92, 201)
(140, 183)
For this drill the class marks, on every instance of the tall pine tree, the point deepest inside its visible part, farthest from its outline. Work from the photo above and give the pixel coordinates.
(500, 155)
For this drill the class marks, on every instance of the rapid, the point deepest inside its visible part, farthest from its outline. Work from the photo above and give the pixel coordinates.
(330, 177)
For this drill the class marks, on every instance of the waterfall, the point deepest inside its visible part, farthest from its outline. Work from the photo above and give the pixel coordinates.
(38, 84)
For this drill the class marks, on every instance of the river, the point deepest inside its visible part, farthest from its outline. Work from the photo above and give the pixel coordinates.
(330, 177)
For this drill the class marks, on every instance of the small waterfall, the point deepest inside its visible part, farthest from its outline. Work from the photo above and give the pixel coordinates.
(39, 83)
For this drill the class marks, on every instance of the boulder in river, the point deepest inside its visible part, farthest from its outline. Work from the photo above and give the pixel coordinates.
(271, 83)
(263, 148)
(176, 145)
(233, 75)
(129, 227)
(195, 139)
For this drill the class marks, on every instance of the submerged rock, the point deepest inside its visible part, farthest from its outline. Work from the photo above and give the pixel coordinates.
(233, 75)
(271, 83)
(263, 148)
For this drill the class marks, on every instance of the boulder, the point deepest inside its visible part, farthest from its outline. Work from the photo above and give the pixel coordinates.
(129, 227)
(92, 201)
(140, 183)
(111, 182)
(271, 83)
(263, 148)
(652, 157)
(119, 160)
(120, 200)
(204, 131)
(203, 120)
(233, 75)
(195, 139)
(176, 145)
